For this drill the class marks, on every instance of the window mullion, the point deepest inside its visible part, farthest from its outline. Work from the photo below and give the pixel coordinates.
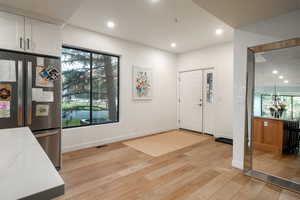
(292, 107)
(91, 88)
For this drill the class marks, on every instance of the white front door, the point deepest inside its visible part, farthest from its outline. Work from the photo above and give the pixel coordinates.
(190, 100)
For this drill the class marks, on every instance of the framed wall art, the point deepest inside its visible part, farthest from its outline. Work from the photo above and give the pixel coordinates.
(142, 83)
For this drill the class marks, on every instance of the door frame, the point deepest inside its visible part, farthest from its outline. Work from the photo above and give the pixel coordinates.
(248, 123)
(178, 89)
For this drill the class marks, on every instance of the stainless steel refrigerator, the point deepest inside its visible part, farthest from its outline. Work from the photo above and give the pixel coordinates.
(29, 99)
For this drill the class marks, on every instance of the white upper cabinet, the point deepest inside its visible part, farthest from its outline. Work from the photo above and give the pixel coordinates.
(11, 31)
(42, 38)
(20, 33)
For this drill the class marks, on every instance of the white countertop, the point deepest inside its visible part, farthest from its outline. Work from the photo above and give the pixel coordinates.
(25, 169)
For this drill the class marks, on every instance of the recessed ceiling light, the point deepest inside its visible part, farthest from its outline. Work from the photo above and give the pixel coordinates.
(110, 24)
(219, 31)
(173, 44)
(275, 72)
(280, 77)
(259, 58)
(154, 1)
(286, 81)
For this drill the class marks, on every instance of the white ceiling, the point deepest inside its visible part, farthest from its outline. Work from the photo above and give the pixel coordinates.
(141, 21)
(237, 13)
(57, 11)
(287, 63)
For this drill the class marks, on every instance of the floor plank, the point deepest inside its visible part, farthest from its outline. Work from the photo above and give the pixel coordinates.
(285, 166)
(199, 172)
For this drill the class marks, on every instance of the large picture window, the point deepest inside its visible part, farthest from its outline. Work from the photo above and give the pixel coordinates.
(90, 88)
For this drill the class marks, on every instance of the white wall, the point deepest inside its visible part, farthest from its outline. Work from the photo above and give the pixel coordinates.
(275, 29)
(136, 118)
(221, 58)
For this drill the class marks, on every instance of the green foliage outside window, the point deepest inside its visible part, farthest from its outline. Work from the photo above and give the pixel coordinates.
(90, 88)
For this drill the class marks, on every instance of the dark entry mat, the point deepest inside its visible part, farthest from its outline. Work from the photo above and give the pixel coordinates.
(224, 140)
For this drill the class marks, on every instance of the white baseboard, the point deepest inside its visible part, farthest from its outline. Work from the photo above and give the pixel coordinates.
(237, 164)
(111, 140)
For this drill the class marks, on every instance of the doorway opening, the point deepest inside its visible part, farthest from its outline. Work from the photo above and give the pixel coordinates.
(272, 133)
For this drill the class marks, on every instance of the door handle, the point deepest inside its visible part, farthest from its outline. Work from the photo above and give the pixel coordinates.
(200, 104)
(46, 134)
(29, 94)
(20, 94)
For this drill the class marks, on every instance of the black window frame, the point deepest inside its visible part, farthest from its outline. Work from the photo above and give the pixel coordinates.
(91, 52)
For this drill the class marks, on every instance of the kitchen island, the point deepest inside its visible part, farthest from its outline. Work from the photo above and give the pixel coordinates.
(25, 169)
(272, 134)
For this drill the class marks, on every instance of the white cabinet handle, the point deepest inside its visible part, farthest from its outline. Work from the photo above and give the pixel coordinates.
(21, 43)
(28, 43)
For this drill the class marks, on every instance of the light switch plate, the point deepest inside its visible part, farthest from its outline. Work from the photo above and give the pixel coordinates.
(266, 123)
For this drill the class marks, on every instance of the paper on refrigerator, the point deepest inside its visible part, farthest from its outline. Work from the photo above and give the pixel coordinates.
(7, 71)
(5, 92)
(39, 80)
(39, 95)
(4, 109)
(48, 96)
(42, 110)
(40, 61)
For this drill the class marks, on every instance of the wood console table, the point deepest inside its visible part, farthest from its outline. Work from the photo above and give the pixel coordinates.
(269, 133)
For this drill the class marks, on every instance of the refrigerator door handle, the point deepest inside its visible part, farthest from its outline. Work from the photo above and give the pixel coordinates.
(20, 93)
(29, 94)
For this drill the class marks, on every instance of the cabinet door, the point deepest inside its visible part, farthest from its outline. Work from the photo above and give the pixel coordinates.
(12, 32)
(42, 38)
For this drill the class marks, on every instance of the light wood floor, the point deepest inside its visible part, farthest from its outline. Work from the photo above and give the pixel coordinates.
(199, 172)
(286, 166)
